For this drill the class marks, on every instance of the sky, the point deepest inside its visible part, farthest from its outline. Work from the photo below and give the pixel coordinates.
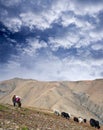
(51, 40)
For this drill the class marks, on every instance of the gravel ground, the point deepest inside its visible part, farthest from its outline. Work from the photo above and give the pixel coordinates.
(32, 119)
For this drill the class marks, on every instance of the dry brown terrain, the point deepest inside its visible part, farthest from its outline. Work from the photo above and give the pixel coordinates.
(36, 119)
(80, 98)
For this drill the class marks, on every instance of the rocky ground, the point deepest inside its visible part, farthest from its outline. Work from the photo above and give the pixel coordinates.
(33, 119)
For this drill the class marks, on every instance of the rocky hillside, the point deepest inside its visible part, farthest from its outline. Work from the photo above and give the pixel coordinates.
(36, 119)
(81, 98)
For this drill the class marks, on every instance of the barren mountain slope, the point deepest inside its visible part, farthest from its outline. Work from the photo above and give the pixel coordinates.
(36, 119)
(81, 98)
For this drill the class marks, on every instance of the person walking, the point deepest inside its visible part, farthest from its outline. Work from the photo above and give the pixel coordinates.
(14, 100)
(18, 101)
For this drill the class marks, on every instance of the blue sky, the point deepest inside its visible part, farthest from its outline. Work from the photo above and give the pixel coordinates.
(51, 39)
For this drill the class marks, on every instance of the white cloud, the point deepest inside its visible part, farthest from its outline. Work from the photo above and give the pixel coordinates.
(52, 68)
(84, 34)
(31, 19)
(65, 41)
(97, 47)
(8, 3)
(96, 35)
(14, 24)
(33, 46)
(50, 14)
(41, 20)
(86, 7)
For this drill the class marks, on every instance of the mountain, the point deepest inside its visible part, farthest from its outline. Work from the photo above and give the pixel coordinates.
(80, 98)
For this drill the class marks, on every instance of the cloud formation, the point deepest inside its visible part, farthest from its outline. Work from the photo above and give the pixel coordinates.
(51, 40)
